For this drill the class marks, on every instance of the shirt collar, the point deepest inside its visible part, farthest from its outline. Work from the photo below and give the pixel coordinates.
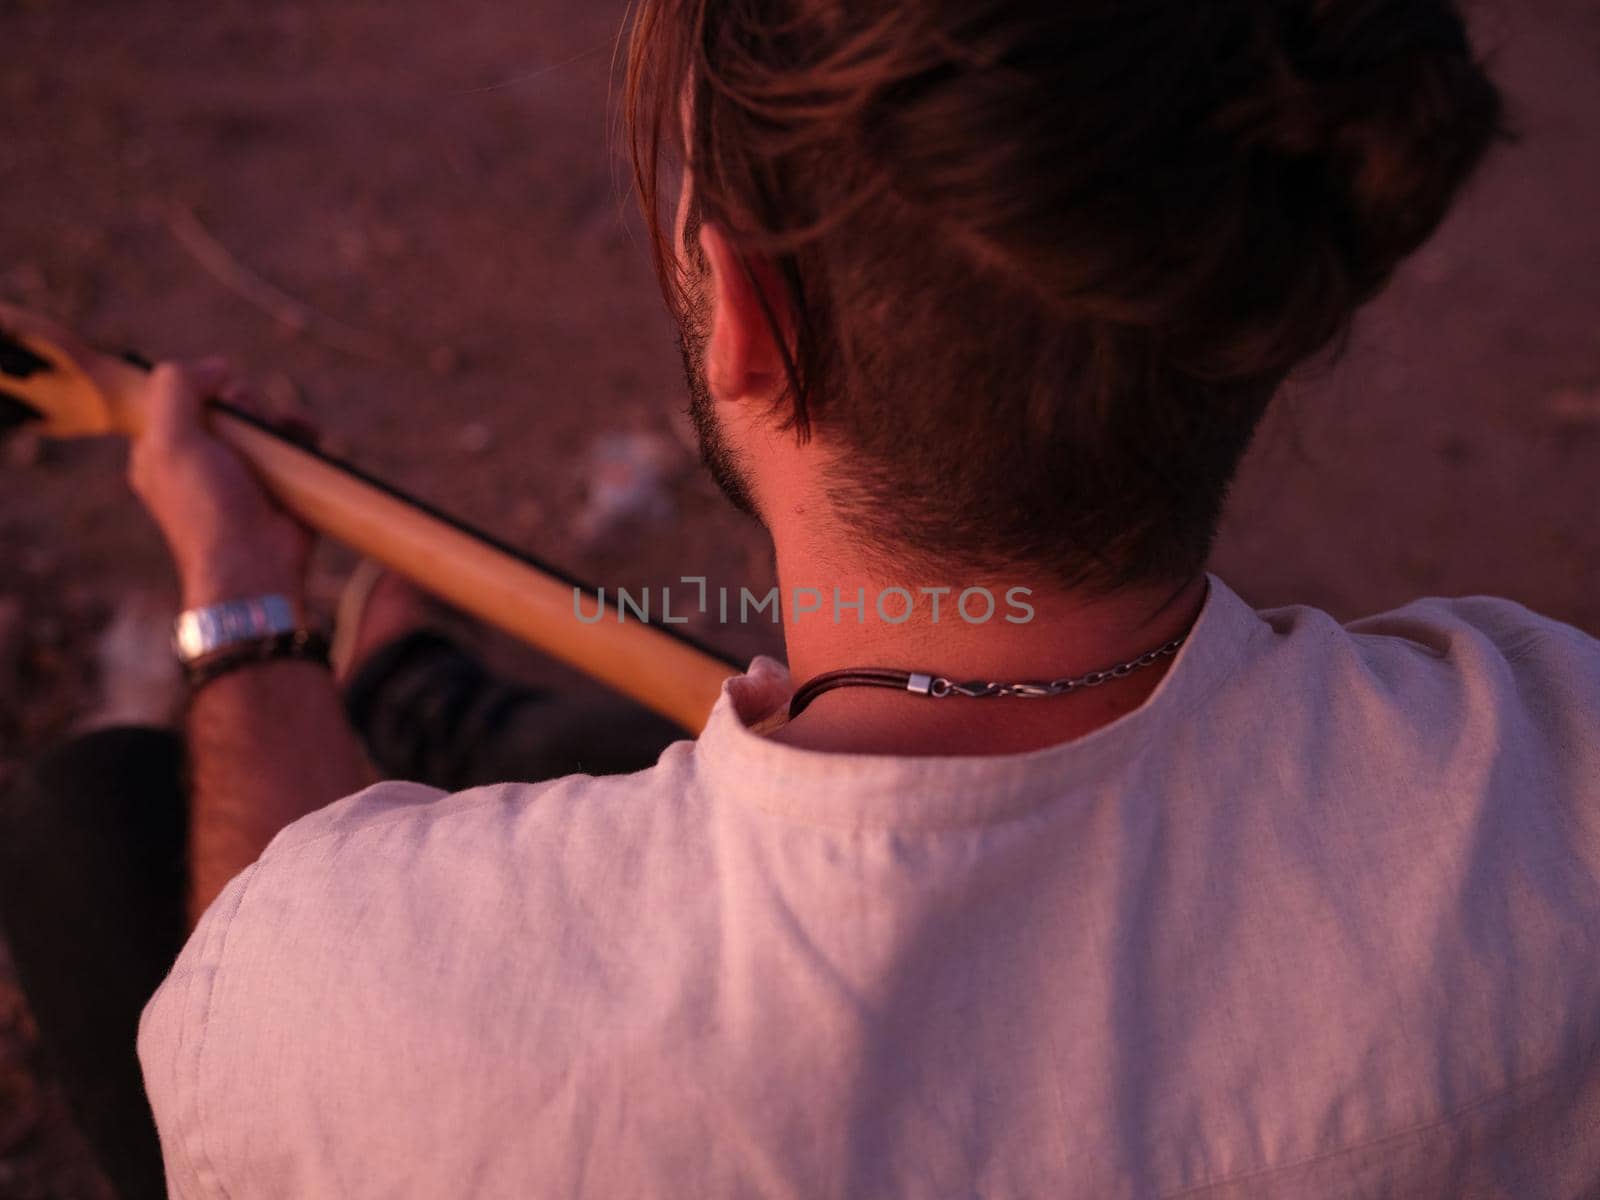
(735, 763)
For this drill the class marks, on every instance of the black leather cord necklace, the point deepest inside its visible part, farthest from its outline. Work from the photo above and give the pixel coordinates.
(924, 683)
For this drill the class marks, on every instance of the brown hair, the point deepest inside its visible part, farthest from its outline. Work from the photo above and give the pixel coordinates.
(1047, 261)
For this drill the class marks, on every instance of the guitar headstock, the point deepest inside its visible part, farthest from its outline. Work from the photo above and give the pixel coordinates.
(59, 384)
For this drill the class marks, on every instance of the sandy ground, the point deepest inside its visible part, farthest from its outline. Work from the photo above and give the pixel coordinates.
(439, 191)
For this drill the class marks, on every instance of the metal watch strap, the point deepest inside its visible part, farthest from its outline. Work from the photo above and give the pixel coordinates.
(298, 645)
(199, 632)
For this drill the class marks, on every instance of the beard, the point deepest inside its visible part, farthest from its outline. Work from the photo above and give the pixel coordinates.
(715, 452)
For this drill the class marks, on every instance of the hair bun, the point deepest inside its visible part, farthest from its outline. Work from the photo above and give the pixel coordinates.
(1385, 98)
(1357, 124)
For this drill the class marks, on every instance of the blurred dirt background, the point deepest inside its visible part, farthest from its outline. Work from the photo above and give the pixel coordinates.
(413, 222)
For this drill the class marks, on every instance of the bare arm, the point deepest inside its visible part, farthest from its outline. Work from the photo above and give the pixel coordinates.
(267, 743)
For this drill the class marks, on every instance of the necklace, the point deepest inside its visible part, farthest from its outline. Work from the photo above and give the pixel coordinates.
(924, 683)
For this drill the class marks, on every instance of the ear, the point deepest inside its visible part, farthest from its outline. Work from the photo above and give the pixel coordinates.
(743, 361)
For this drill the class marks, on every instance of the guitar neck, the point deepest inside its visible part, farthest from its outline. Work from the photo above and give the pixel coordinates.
(532, 601)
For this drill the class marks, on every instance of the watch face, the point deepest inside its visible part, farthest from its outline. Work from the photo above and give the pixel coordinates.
(200, 631)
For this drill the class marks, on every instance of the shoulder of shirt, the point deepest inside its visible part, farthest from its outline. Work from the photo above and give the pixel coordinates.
(398, 841)
(318, 923)
(1511, 626)
(398, 807)
(1434, 625)
(1421, 666)
(1439, 655)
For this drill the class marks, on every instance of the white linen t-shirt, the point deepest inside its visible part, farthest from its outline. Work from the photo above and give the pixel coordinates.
(1321, 918)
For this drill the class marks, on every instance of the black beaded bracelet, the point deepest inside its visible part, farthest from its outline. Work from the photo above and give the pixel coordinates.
(297, 645)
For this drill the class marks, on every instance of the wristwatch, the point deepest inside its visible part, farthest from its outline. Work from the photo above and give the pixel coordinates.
(201, 632)
(219, 639)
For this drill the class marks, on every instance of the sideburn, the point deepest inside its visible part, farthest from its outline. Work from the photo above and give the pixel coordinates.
(715, 452)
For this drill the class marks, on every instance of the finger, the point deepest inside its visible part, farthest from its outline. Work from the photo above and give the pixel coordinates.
(240, 395)
(281, 409)
(177, 395)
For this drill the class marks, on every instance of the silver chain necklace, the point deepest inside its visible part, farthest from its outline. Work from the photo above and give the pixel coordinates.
(939, 687)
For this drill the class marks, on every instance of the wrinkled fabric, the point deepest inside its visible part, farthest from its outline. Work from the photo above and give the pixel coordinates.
(1319, 919)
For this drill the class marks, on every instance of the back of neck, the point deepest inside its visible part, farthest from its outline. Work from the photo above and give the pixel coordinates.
(840, 615)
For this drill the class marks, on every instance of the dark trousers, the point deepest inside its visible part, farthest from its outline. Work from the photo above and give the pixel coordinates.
(93, 867)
